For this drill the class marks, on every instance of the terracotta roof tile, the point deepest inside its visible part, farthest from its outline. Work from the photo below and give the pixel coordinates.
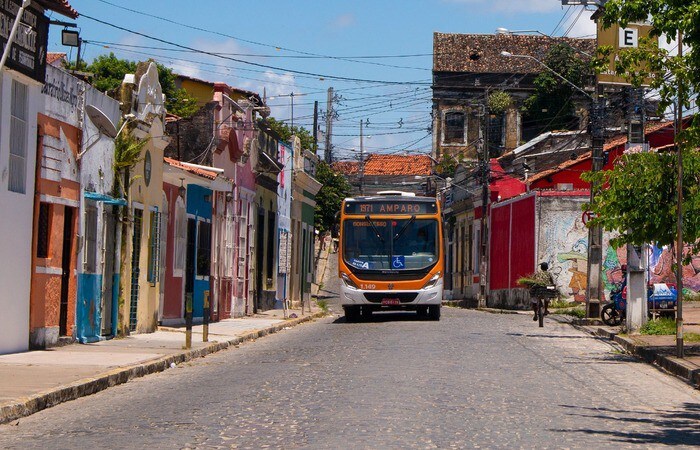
(378, 164)
(52, 57)
(60, 6)
(481, 53)
(346, 167)
(194, 170)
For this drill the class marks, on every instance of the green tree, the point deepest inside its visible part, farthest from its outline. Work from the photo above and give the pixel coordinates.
(330, 198)
(108, 73)
(639, 202)
(551, 107)
(286, 132)
(640, 199)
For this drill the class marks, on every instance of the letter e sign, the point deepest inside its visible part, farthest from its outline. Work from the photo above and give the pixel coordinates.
(629, 37)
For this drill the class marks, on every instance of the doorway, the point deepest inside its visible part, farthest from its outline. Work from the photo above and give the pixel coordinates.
(65, 269)
(259, 260)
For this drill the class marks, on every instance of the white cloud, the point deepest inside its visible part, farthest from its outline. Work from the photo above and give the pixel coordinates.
(579, 26)
(343, 21)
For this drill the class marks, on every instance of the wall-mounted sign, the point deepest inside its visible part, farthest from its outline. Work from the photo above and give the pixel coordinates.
(28, 50)
(619, 39)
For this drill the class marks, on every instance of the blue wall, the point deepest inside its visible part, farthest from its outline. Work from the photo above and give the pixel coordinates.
(201, 209)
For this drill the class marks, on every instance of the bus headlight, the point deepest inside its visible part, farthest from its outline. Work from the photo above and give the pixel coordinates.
(348, 282)
(432, 281)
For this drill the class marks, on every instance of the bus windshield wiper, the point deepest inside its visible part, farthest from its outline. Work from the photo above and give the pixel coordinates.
(403, 228)
(374, 228)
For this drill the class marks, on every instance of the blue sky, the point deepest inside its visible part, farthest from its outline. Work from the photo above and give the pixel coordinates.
(290, 34)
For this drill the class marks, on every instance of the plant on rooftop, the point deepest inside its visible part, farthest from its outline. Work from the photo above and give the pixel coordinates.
(551, 107)
(499, 102)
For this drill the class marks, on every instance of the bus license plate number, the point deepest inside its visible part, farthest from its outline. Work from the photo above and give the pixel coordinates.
(390, 302)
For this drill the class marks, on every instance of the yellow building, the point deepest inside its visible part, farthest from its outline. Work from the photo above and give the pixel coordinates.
(140, 289)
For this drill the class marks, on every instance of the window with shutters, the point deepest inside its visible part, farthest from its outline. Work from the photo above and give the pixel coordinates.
(454, 128)
(180, 237)
(17, 180)
(90, 237)
(154, 248)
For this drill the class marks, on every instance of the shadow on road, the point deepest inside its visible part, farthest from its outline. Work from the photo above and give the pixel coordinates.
(679, 427)
(393, 316)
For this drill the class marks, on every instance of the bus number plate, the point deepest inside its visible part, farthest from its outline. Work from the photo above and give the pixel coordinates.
(391, 301)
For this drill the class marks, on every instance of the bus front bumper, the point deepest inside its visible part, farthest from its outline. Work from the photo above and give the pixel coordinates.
(392, 299)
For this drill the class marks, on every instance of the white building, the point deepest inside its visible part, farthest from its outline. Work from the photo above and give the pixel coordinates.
(20, 101)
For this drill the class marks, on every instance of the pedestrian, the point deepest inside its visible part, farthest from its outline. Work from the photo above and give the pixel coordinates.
(335, 233)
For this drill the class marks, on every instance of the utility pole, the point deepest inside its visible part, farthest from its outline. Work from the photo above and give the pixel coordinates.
(292, 124)
(329, 128)
(362, 161)
(679, 218)
(636, 257)
(316, 128)
(485, 169)
(595, 232)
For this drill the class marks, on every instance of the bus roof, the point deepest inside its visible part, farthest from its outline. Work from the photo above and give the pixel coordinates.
(384, 198)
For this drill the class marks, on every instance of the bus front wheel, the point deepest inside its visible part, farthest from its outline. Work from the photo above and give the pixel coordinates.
(434, 312)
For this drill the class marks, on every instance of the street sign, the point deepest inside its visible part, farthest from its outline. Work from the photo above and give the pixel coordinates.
(587, 216)
(620, 38)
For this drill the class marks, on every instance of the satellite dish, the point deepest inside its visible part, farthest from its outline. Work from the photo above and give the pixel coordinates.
(101, 121)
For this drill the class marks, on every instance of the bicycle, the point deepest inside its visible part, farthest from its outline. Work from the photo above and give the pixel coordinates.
(543, 294)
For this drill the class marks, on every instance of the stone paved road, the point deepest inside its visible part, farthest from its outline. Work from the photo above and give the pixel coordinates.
(471, 380)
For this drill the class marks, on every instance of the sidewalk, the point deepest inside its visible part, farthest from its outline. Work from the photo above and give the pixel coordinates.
(35, 380)
(661, 350)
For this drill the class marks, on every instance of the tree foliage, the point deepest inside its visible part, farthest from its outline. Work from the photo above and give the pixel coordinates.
(286, 132)
(551, 107)
(446, 166)
(639, 199)
(330, 198)
(108, 73)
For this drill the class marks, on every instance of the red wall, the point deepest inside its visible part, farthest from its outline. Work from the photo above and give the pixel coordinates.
(512, 240)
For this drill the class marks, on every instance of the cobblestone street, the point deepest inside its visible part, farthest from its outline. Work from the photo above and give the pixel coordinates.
(471, 380)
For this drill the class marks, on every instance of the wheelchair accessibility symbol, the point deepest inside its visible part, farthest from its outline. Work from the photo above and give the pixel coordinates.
(398, 262)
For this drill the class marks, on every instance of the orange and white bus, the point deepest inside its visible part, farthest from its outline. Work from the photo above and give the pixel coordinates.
(391, 255)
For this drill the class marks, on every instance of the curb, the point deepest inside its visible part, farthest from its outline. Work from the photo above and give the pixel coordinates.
(26, 406)
(688, 372)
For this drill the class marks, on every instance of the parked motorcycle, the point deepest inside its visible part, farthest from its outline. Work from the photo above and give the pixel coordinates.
(661, 299)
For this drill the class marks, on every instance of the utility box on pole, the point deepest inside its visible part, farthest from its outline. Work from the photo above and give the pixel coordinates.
(636, 289)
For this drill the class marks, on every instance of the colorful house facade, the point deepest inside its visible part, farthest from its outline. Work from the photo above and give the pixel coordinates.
(141, 278)
(22, 101)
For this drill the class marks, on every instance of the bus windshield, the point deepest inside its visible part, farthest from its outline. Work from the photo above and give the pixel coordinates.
(390, 244)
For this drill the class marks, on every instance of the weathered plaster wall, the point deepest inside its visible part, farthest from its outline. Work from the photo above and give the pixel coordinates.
(16, 222)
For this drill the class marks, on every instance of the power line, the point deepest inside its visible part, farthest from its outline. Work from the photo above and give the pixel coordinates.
(204, 52)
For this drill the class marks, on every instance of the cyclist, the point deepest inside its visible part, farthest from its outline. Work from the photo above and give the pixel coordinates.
(544, 276)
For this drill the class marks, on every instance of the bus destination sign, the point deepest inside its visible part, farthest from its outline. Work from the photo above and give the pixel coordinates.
(410, 208)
